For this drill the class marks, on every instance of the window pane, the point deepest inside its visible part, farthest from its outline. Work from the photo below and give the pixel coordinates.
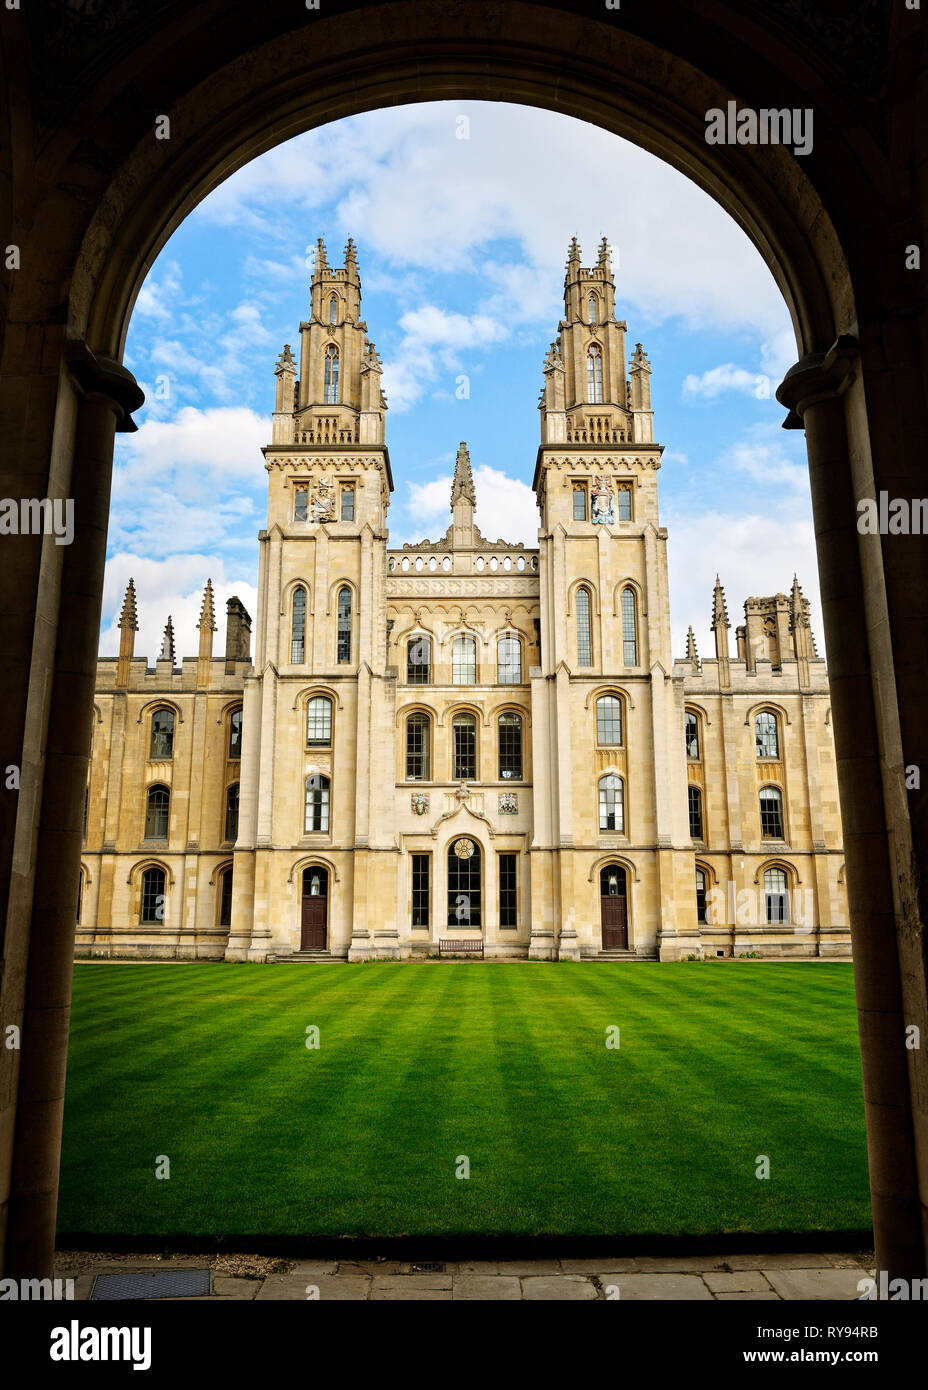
(591, 309)
(225, 899)
(162, 734)
(508, 896)
(771, 814)
(298, 628)
(765, 728)
(464, 661)
(417, 747)
(319, 721)
(509, 661)
(625, 504)
(331, 376)
(579, 504)
(156, 813)
(232, 812)
(510, 747)
(421, 887)
(235, 734)
(700, 896)
(611, 803)
(692, 736)
(300, 497)
(464, 887)
(317, 803)
(594, 376)
(695, 804)
(584, 650)
(609, 721)
(777, 895)
(152, 905)
(629, 629)
(344, 626)
(347, 504)
(464, 731)
(333, 309)
(418, 661)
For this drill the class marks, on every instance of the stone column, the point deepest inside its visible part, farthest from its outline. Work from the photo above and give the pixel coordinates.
(863, 700)
(108, 393)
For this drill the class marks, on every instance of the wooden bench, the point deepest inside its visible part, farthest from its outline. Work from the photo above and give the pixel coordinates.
(448, 947)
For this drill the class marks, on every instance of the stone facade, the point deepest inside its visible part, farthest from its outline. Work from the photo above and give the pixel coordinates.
(465, 738)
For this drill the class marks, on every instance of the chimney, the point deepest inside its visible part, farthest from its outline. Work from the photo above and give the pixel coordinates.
(238, 634)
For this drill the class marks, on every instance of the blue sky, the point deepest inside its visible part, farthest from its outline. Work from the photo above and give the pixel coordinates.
(462, 213)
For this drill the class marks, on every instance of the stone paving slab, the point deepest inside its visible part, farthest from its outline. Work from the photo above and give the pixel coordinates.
(561, 1287)
(816, 1283)
(489, 1287)
(745, 1281)
(650, 1287)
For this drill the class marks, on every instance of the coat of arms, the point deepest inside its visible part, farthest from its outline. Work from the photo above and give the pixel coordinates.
(508, 804)
(322, 501)
(419, 802)
(603, 505)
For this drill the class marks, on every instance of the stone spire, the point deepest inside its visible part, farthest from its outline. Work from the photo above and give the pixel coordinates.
(720, 626)
(801, 630)
(128, 627)
(573, 252)
(605, 255)
(692, 655)
(321, 263)
(463, 502)
(207, 626)
(167, 642)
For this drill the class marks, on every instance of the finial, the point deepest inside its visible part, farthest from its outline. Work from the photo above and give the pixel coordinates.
(207, 621)
(573, 253)
(350, 251)
(605, 256)
(129, 617)
(463, 485)
(691, 652)
(321, 262)
(167, 645)
(719, 610)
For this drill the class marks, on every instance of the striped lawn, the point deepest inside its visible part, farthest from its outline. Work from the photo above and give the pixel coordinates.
(504, 1064)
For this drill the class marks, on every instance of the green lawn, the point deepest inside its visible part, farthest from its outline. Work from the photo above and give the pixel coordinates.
(503, 1063)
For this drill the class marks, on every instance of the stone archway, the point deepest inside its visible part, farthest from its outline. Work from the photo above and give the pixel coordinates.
(95, 195)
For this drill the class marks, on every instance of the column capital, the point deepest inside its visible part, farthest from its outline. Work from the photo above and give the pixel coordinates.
(102, 376)
(817, 377)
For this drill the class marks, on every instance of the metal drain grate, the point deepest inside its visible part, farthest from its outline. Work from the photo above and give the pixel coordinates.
(153, 1283)
(427, 1267)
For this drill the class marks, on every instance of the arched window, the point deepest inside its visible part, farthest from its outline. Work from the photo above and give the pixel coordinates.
(700, 895)
(80, 895)
(694, 795)
(584, 643)
(609, 721)
(629, 628)
(151, 907)
(509, 661)
(162, 734)
(343, 654)
(464, 885)
(157, 805)
(594, 375)
(235, 734)
(419, 661)
(691, 735)
(592, 310)
(766, 735)
(331, 375)
(611, 803)
(625, 504)
(510, 747)
(225, 898)
(464, 661)
(232, 812)
(776, 895)
(464, 748)
(298, 628)
(319, 722)
(333, 309)
(86, 810)
(771, 813)
(317, 803)
(418, 747)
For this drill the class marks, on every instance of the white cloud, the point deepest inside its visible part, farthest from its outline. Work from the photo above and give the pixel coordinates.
(506, 509)
(727, 378)
(173, 585)
(433, 340)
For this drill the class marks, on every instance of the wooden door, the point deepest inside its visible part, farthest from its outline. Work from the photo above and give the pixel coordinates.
(613, 908)
(314, 909)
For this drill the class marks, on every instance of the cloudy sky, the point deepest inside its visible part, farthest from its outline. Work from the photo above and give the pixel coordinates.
(462, 213)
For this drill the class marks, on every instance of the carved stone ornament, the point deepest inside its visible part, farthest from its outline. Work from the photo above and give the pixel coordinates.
(419, 802)
(322, 501)
(603, 507)
(464, 848)
(508, 804)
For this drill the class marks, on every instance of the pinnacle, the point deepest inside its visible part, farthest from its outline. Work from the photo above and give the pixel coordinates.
(207, 621)
(129, 617)
(463, 485)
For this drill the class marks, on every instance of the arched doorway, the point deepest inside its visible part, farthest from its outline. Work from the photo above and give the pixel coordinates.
(314, 908)
(613, 907)
(465, 884)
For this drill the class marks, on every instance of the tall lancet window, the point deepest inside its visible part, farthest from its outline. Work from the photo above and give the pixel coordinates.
(594, 375)
(629, 628)
(592, 310)
(298, 628)
(333, 309)
(331, 375)
(584, 646)
(343, 654)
